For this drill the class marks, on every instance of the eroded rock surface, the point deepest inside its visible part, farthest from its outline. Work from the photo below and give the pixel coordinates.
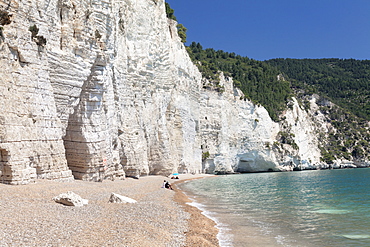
(107, 94)
(99, 90)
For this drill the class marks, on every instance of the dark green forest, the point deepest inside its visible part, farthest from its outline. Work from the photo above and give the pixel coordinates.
(345, 82)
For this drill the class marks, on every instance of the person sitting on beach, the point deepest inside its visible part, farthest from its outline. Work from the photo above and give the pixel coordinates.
(167, 185)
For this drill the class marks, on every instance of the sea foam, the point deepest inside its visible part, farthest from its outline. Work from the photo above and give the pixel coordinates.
(330, 211)
(354, 236)
(224, 236)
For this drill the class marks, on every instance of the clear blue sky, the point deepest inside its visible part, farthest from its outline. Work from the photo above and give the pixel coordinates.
(264, 29)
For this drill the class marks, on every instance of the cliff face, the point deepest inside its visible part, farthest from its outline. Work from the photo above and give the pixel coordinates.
(241, 137)
(105, 89)
(108, 91)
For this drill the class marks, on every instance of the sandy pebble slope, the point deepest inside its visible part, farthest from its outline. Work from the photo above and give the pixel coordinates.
(29, 216)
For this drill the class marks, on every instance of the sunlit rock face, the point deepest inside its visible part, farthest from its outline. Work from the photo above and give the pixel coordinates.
(99, 90)
(102, 89)
(241, 137)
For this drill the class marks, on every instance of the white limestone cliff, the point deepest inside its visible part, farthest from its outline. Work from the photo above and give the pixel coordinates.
(108, 94)
(106, 89)
(241, 137)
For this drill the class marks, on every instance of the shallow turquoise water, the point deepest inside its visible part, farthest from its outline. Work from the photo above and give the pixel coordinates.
(308, 208)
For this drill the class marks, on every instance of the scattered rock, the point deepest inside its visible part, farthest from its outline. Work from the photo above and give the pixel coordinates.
(116, 198)
(70, 199)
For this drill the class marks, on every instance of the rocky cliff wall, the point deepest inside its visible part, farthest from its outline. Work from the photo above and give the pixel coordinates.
(101, 88)
(239, 136)
(105, 89)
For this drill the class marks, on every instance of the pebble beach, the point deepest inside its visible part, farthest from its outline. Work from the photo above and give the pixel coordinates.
(161, 217)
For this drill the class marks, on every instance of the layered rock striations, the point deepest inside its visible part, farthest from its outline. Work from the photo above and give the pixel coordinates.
(100, 90)
(105, 89)
(239, 136)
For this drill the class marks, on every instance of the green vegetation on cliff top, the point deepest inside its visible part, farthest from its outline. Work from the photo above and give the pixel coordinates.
(258, 80)
(181, 30)
(343, 82)
(346, 82)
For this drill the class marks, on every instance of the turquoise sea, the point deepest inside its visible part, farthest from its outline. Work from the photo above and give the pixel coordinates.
(307, 208)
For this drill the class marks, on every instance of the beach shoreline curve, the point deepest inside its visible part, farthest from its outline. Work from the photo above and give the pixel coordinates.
(202, 230)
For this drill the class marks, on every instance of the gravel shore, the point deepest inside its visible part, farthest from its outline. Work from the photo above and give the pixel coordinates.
(29, 216)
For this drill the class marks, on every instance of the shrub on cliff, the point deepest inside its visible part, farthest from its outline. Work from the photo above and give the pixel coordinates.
(5, 18)
(40, 40)
(205, 155)
(170, 12)
(181, 30)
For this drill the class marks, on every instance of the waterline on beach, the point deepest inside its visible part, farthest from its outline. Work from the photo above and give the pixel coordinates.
(225, 222)
(309, 208)
(224, 235)
(201, 229)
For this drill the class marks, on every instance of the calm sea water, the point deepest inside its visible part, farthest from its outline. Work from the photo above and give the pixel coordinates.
(308, 208)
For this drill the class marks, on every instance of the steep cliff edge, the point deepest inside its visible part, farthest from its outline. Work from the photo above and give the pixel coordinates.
(99, 88)
(105, 89)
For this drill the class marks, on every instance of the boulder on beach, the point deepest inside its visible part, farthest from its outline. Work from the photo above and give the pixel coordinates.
(70, 199)
(116, 198)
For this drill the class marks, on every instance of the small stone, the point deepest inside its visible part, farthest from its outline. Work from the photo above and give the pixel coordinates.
(116, 198)
(70, 199)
